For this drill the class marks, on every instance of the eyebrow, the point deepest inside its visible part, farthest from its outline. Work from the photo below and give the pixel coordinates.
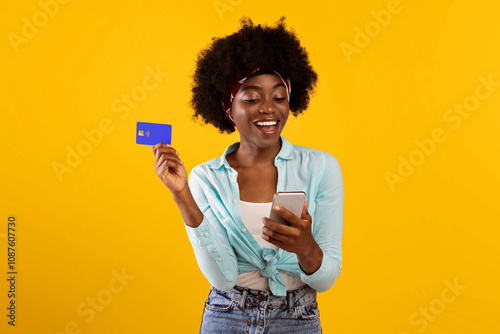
(259, 87)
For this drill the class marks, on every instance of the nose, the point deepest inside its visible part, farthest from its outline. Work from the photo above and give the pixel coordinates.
(267, 106)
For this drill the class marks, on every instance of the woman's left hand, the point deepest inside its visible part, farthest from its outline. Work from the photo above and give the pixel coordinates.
(296, 238)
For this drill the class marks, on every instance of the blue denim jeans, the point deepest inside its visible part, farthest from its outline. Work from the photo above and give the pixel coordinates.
(243, 310)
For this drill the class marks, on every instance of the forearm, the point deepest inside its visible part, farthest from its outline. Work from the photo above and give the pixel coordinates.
(217, 264)
(190, 211)
(214, 254)
(328, 220)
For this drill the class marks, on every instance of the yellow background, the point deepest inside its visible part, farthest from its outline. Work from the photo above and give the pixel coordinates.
(111, 212)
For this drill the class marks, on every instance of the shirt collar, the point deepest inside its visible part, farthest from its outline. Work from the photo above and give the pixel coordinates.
(285, 153)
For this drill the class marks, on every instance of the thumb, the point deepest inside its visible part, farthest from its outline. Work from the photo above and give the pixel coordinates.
(305, 215)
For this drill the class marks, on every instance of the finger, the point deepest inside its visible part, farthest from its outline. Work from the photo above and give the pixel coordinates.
(287, 214)
(172, 165)
(170, 157)
(170, 162)
(304, 209)
(163, 148)
(272, 240)
(160, 170)
(159, 145)
(277, 227)
(155, 148)
(161, 156)
(161, 160)
(305, 214)
(167, 167)
(271, 233)
(158, 158)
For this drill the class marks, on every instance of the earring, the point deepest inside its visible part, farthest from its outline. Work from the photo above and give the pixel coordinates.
(229, 114)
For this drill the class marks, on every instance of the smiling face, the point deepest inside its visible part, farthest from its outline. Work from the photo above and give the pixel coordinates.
(260, 110)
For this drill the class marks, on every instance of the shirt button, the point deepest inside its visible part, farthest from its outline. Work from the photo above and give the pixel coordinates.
(244, 230)
(206, 234)
(235, 201)
(273, 282)
(219, 259)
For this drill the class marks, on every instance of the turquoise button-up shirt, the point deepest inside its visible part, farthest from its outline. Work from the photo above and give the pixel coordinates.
(224, 247)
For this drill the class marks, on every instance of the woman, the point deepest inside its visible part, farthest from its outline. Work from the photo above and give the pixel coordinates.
(264, 275)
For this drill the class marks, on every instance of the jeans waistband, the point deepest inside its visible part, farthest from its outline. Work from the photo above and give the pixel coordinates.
(302, 296)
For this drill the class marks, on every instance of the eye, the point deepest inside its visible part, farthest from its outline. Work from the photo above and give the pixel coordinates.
(251, 100)
(280, 99)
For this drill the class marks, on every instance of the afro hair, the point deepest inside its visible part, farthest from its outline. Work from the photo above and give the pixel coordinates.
(227, 58)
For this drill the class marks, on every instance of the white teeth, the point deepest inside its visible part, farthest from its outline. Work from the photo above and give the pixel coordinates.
(266, 123)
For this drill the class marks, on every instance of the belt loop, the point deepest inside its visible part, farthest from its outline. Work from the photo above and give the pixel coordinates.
(243, 298)
(290, 302)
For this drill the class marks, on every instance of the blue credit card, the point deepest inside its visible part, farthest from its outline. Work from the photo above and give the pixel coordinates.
(153, 133)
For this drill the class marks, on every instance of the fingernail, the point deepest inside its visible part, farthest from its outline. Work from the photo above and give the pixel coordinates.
(277, 208)
(182, 162)
(176, 152)
(263, 219)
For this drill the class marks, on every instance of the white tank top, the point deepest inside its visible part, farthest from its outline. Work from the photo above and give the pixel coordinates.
(251, 214)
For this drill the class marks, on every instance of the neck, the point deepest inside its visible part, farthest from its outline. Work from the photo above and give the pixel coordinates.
(250, 155)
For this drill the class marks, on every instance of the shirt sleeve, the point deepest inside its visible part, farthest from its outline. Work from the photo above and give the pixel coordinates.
(328, 226)
(214, 254)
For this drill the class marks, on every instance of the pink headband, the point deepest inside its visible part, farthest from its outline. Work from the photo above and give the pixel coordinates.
(233, 88)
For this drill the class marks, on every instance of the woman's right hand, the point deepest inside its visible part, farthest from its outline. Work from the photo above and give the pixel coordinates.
(170, 168)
